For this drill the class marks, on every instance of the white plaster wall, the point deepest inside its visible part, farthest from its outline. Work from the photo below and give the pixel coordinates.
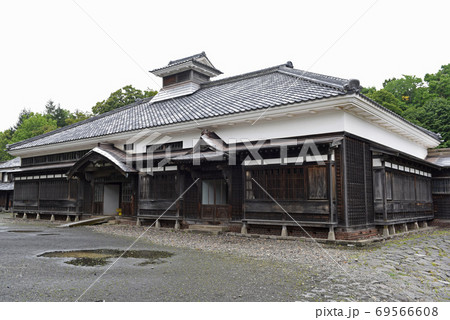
(186, 137)
(300, 125)
(362, 128)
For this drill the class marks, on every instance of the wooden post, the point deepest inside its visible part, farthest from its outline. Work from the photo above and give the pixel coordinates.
(383, 184)
(330, 186)
(365, 184)
(344, 178)
(181, 186)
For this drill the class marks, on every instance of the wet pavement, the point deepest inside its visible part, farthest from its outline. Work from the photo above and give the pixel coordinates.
(35, 265)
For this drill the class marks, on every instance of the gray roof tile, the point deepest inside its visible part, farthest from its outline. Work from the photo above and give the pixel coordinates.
(6, 186)
(14, 163)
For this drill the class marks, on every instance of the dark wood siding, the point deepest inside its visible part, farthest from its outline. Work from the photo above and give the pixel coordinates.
(191, 201)
(236, 198)
(340, 207)
(357, 186)
(52, 196)
(401, 195)
(6, 199)
(441, 194)
(157, 194)
(369, 184)
(302, 191)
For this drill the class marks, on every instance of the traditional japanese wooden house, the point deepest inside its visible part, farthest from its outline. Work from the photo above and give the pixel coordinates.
(277, 150)
(7, 183)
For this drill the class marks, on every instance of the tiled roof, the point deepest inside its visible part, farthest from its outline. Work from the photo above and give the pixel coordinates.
(14, 163)
(267, 88)
(6, 186)
(440, 157)
(194, 59)
(114, 155)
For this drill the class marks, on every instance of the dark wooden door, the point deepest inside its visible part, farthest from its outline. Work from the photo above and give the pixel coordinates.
(215, 205)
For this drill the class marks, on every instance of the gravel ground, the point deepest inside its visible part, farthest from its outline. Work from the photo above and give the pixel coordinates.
(415, 267)
(300, 251)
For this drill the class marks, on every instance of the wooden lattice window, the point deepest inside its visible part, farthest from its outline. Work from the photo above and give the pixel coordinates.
(423, 189)
(54, 190)
(403, 186)
(128, 146)
(127, 192)
(177, 145)
(441, 185)
(98, 192)
(388, 185)
(317, 183)
(280, 183)
(159, 186)
(28, 190)
(176, 78)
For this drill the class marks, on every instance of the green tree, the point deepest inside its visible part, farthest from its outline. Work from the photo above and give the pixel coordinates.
(387, 100)
(5, 139)
(120, 98)
(404, 89)
(77, 116)
(35, 125)
(367, 91)
(55, 112)
(434, 115)
(439, 83)
(23, 115)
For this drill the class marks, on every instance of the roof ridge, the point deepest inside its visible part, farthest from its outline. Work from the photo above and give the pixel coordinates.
(304, 75)
(74, 125)
(201, 54)
(192, 60)
(242, 76)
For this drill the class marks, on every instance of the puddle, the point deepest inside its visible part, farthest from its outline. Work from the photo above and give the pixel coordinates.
(25, 231)
(101, 257)
(48, 234)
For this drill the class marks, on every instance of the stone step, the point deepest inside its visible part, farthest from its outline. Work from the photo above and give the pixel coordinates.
(208, 228)
(93, 221)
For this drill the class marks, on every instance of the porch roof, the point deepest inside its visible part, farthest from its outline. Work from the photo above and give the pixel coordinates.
(116, 157)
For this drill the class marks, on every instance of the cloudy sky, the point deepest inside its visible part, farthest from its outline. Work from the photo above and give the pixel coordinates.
(76, 52)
